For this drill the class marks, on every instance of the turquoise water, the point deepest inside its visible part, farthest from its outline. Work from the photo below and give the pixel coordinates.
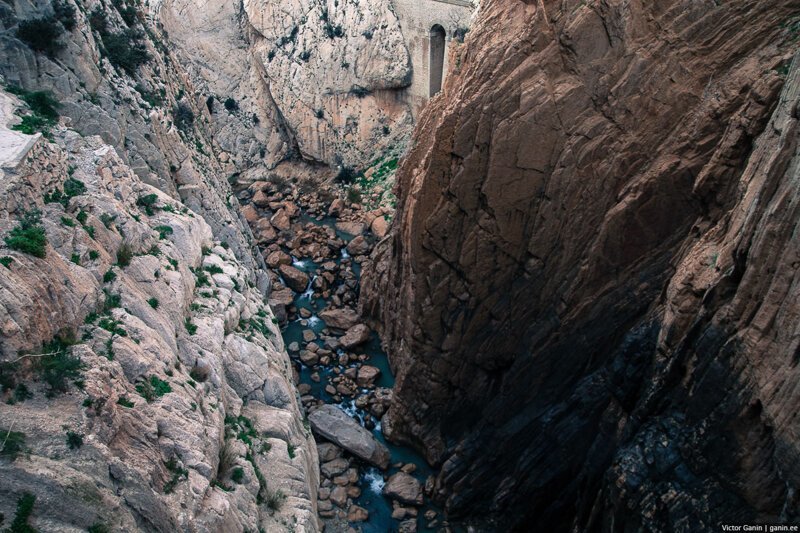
(372, 479)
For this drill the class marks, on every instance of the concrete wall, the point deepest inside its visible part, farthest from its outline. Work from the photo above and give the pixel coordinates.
(417, 17)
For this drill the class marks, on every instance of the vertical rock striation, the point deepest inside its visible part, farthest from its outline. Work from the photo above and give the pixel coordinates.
(590, 292)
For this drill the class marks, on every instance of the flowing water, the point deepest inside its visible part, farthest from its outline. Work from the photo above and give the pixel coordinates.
(371, 479)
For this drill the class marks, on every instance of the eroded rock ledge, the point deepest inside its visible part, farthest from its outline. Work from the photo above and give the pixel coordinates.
(590, 293)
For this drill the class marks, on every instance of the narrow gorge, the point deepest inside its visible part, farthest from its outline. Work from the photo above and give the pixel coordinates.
(399, 265)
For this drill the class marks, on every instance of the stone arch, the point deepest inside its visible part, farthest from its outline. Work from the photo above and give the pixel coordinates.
(436, 65)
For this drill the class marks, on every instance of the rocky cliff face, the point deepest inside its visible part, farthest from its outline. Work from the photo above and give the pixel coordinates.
(590, 293)
(145, 383)
(143, 378)
(312, 79)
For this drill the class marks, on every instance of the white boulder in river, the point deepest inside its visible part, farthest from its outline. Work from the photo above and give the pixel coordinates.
(338, 427)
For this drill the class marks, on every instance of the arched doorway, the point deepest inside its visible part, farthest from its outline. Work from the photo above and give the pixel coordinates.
(437, 58)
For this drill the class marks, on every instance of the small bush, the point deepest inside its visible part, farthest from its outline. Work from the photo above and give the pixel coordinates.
(183, 117)
(359, 92)
(346, 175)
(124, 255)
(199, 373)
(178, 473)
(74, 440)
(275, 500)
(163, 231)
(41, 34)
(153, 303)
(93, 254)
(354, 195)
(12, 442)
(125, 402)
(76, 258)
(213, 269)
(57, 366)
(148, 202)
(231, 105)
(65, 13)
(190, 327)
(237, 475)
(99, 528)
(110, 275)
(23, 513)
(29, 236)
(290, 448)
(125, 50)
(6, 261)
(152, 389)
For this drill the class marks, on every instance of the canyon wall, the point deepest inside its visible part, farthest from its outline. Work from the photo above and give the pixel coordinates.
(144, 382)
(589, 295)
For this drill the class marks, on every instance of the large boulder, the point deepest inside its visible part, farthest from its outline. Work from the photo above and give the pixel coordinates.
(358, 246)
(339, 318)
(295, 278)
(335, 425)
(358, 334)
(403, 488)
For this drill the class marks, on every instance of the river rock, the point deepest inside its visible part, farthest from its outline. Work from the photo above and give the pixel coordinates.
(336, 207)
(339, 496)
(358, 334)
(338, 427)
(367, 375)
(281, 220)
(358, 246)
(309, 358)
(343, 318)
(295, 278)
(351, 228)
(278, 258)
(334, 467)
(379, 227)
(357, 514)
(404, 488)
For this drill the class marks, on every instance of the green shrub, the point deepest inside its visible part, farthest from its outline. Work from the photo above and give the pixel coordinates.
(124, 255)
(359, 92)
(190, 327)
(125, 50)
(148, 202)
(93, 254)
(275, 500)
(41, 34)
(68, 222)
(12, 442)
(178, 474)
(125, 402)
(23, 513)
(21, 393)
(163, 231)
(82, 216)
(153, 303)
(76, 258)
(29, 236)
(346, 175)
(126, 11)
(99, 527)
(290, 448)
(6, 261)
(213, 269)
(237, 475)
(57, 366)
(109, 276)
(231, 105)
(354, 195)
(183, 117)
(74, 440)
(65, 13)
(107, 219)
(152, 389)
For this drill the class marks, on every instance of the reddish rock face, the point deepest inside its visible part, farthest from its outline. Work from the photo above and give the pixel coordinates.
(590, 293)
